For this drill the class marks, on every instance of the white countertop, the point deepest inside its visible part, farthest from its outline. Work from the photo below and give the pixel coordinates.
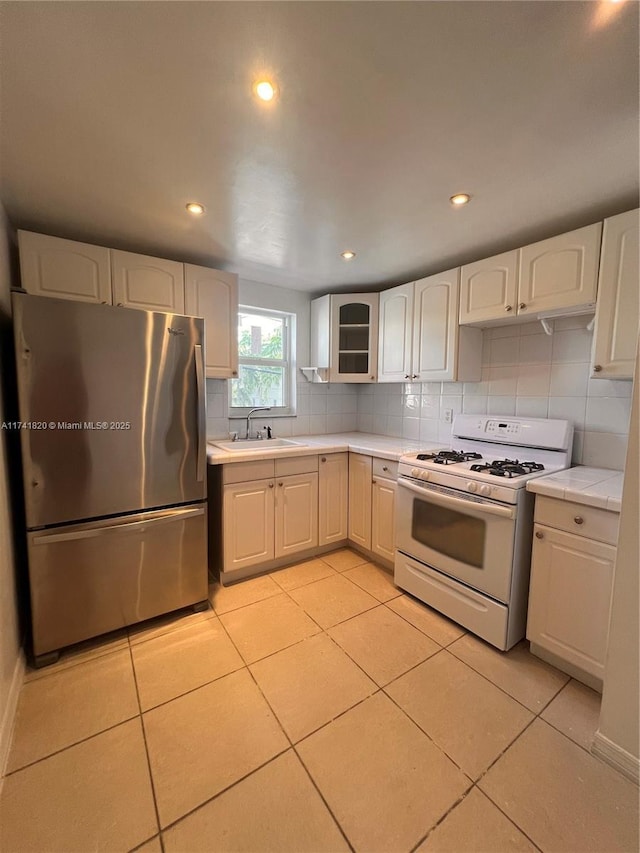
(382, 446)
(600, 487)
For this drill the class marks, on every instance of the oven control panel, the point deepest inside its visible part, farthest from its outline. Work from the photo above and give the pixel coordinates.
(505, 428)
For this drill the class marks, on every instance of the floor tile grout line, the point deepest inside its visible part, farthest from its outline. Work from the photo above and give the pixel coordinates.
(146, 749)
(409, 622)
(510, 819)
(56, 668)
(69, 746)
(451, 808)
(502, 752)
(142, 843)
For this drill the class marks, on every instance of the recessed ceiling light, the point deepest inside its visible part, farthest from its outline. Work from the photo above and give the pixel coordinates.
(195, 207)
(265, 90)
(348, 255)
(460, 198)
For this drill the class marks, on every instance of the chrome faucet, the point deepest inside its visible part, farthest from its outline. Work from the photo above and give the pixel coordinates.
(257, 409)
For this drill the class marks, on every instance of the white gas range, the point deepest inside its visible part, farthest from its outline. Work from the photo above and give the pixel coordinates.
(464, 520)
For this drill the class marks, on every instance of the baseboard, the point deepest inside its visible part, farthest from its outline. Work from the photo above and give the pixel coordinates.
(616, 756)
(8, 719)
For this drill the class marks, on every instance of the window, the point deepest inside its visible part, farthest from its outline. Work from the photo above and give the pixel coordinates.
(265, 363)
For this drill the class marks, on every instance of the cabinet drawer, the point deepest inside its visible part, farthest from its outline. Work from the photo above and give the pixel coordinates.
(242, 472)
(296, 465)
(588, 521)
(385, 468)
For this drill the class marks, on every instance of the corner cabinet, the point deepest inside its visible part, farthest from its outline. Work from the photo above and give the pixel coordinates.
(344, 336)
(372, 493)
(333, 498)
(360, 471)
(420, 339)
(548, 276)
(213, 295)
(618, 308)
(64, 269)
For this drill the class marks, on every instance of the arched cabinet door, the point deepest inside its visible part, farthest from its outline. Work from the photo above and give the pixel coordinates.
(489, 289)
(64, 269)
(151, 284)
(213, 295)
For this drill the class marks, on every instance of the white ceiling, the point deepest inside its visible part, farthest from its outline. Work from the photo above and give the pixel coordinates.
(114, 115)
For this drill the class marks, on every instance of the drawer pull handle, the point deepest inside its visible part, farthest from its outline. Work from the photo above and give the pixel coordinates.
(579, 519)
(539, 534)
(384, 468)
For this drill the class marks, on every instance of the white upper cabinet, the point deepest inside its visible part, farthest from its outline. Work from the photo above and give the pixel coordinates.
(213, 295)
(344, 336)
(548, 276)
(616, 334)
(561, 272)
(51, 266)
(151, 284)
(395, 338)
(489, 288)
(420, 339)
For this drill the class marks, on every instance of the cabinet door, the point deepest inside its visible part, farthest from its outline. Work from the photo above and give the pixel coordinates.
(489, 288)
(570, 596)
(152, 284)
(383, 502)
(561, 272)
(616, 334)
(360, 499)
(333, 498)
(395, 333)
(435, 327)
(50, 266)
(296, 514)
(213, 295)
(354, 337)
(248, 524)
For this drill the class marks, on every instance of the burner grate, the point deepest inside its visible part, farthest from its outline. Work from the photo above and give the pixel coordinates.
(508, 468)
(448, 457)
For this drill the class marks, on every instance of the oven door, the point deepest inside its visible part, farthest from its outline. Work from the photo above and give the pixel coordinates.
(467, 538)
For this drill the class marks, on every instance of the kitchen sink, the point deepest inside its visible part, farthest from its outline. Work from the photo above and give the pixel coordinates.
(242, 445)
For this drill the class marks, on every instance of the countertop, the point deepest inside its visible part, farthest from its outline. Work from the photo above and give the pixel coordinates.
(599, 487)
(382, 446)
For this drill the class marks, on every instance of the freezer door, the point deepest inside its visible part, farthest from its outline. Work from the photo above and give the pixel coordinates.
(87, 579)
(115, 399)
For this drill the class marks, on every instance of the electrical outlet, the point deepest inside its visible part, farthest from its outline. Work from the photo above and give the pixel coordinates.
(448, 416)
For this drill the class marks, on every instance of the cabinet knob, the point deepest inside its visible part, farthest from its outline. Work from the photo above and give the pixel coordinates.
(384, 468)
(323, 458)
(597, 368)
(372, 378)
(406, 376)
(578, 519)
(522, 306)
(119, 304)
(508, 307)
(415, 376)
(270, 485)
(374, 482)
(235, 373)
(539, 534)
(280, 484)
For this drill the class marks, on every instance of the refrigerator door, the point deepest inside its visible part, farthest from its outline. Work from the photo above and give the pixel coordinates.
(87, 579)
(114, 400)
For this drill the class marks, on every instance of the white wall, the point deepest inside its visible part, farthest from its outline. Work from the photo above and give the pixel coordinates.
(10, 651)
(619, 718)
(525, 372)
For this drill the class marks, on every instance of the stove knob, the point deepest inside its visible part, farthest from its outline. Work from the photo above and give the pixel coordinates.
(424, 475)
(415, 472)
(485, 490)
(472, 487)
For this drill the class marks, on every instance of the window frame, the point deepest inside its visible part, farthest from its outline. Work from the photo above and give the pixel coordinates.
(288, 362)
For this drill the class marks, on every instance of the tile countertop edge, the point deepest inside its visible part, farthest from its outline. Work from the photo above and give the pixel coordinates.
(381, 446)
(597, 487)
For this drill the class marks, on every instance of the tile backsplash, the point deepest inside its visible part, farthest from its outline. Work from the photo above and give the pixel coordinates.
(524, 372)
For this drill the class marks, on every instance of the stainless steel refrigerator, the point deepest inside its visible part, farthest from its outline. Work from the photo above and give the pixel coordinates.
(113, 436)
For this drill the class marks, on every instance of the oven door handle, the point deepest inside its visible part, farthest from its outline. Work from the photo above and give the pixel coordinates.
(458, 503)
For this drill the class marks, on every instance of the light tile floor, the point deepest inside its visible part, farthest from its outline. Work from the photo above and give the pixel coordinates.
(315, 709)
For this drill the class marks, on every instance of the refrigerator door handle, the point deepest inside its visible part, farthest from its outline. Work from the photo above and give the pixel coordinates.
(202, 414)
(126, 527)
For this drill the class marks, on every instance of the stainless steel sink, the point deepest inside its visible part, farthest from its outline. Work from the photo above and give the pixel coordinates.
(243, 445)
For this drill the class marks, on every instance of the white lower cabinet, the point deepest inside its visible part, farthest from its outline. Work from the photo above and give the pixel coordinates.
(333, 498)
(383, 501)
(360, 471)
(571, 585)
(296, 514)
(248, 524)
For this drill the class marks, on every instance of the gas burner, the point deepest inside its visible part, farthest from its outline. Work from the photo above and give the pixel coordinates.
(448, 457)
(508, 468)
